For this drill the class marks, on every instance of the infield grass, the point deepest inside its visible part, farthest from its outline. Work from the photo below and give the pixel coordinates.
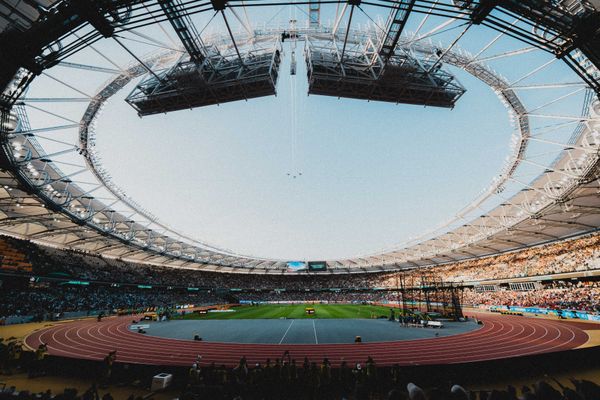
(275, 311)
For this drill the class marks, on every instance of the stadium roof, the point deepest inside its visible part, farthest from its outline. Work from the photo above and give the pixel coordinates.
(43, 198)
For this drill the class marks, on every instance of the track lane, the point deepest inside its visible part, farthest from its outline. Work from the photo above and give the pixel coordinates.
(500, 337)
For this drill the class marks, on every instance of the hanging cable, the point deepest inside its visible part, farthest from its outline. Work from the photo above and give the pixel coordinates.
(293, 34)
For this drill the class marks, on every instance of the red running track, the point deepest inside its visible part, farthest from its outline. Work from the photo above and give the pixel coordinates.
(500, 337)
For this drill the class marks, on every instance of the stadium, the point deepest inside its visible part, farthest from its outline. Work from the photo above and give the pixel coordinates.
(320, 199)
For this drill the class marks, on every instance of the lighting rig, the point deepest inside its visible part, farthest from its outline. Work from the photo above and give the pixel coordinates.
(207, 75)
(381, 70)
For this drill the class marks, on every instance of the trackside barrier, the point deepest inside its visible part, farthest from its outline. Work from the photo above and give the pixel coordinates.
(506, 312)
(22, 319)
(548, 311)
(16, 320)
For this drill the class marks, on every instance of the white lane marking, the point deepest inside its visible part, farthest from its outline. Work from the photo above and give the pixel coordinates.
(315, 331)
(287, 330)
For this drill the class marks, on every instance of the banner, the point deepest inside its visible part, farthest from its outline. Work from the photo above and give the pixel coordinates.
(548, 311)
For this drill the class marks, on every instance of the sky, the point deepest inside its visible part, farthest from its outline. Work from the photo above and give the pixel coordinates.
(372, 174)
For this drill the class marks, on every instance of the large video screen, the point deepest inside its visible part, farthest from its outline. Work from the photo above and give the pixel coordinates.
(296, 265)
(317, 265)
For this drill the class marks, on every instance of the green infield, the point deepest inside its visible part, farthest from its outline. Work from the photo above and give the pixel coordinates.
(274, 311)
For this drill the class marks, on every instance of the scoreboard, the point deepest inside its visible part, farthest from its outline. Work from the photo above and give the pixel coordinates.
(317, 266)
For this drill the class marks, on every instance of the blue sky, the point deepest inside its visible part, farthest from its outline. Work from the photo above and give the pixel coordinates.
(372, 173)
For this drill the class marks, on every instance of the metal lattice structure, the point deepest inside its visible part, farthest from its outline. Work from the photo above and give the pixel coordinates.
(366, 74)
(42, 198)
(229, 78)
(206, 75)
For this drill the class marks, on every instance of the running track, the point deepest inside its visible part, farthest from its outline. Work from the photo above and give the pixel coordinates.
(500, 337)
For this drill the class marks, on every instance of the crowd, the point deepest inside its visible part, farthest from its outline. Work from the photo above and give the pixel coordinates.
(572, 255)
(580, 254)
(284, 378)
(584, 296)
(12, 393)
(85, 266)
(52, 301)
(344, 296)
(287, 379)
